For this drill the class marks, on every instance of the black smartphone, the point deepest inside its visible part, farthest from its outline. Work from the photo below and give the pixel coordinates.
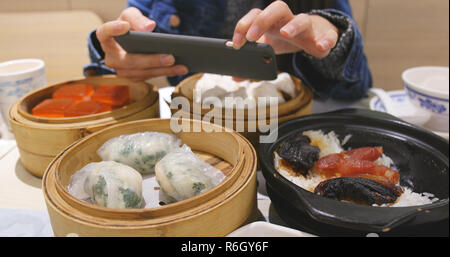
(209, 55)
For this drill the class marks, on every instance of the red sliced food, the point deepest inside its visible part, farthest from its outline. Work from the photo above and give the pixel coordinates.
(329, 164)
(115, 95)
(365, 153)
(53, 108)
(79, 92)
(86, 108)
(354, 162)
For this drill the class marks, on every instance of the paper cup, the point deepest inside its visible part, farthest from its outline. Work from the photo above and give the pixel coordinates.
(17, 78)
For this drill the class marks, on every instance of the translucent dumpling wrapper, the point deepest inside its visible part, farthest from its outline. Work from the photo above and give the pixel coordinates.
(182, 175)
(141, 150)
(109, 184)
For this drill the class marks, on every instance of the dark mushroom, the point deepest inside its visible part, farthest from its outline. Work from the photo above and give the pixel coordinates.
(298, 152)
(358, 190)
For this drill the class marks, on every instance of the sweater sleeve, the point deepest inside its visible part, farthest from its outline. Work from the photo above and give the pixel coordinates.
(344, 73)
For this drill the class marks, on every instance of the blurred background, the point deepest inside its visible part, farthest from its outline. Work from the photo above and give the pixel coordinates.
(397, 34)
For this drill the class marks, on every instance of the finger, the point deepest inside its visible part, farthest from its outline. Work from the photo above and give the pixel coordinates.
(107, 31)
(139, 61)
(276, 14)
(242, 27)
(299, 24)
(328, 41)
(137, 20)
(110, 29)
(151, 73)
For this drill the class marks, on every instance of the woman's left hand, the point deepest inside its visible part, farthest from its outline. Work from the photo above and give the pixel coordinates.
(277, 26)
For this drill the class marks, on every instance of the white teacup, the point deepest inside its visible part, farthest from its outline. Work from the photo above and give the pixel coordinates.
(428, 90)
(17, 78)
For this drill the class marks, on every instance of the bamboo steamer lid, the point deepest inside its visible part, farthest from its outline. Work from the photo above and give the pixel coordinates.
(40, 139)
(216, 212)
(186, 89)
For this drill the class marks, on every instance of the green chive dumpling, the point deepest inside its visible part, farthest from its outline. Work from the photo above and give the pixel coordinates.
(182, 175)
(141, 150)
(109, 184)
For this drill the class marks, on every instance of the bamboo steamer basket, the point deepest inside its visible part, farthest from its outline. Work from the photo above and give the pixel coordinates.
(216, 212)
(299, 106)
(39, 139)
(186, 89)
(243, 126)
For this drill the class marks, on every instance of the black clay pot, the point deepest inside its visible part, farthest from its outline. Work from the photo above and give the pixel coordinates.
(421, 157)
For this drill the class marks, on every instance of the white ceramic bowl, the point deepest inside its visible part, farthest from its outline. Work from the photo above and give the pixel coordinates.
(428, 89)
(401, 100)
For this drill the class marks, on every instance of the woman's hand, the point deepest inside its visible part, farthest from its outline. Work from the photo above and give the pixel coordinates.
(286, 32)
(134, 66)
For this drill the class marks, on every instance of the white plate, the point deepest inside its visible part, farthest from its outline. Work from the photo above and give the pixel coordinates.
(399, 97)
(266, 229)
(164, 100)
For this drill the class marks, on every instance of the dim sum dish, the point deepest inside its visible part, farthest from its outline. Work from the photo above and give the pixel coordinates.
(181, 174)
(293, 96)
(86, 100)
(140, 151)
(68, 114)
(193, 184)
(114, 97)
(115, 182)
(218, 86)
(109, 184)
(295, 100)
(357, 170)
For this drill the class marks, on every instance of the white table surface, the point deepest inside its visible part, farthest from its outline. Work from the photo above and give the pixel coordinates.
(22, 206)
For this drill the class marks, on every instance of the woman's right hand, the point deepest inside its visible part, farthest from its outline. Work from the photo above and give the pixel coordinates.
(137, 67)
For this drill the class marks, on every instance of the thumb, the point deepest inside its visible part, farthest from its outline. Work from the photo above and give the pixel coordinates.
(110, 29)
(137, 20)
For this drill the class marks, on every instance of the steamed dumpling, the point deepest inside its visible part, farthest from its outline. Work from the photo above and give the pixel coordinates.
(217, 86)
(109, 184)
(266, 90)
(141, 150)
(284, 83)
(223, 86)
(182, 175)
